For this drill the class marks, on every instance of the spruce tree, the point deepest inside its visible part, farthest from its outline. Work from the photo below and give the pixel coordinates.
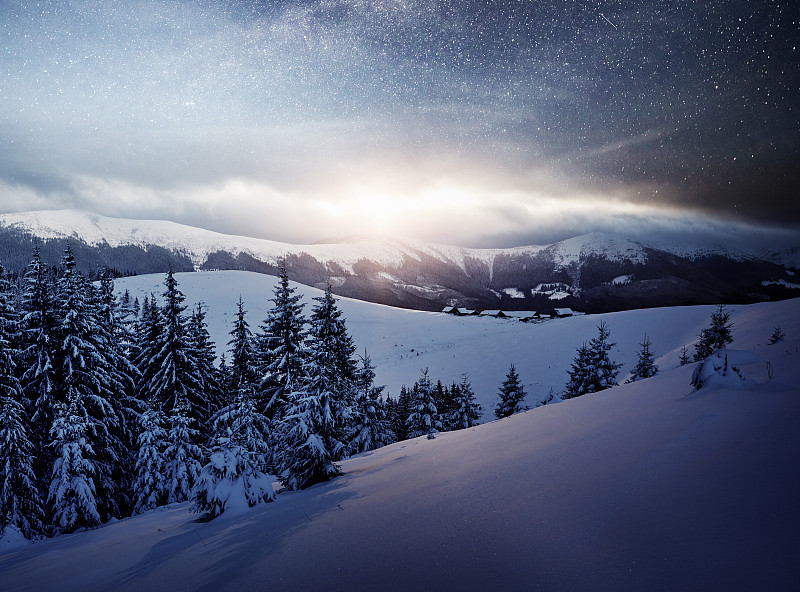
(605, 371)
(91, 383)
(149, 488)
(777, 336)
(716, 336)
(313, 433)
(371, 424)
(645, 365)
(512, 394)
(467, 410)
(401, 410)
(40, 341)
(684, 357)
(182, 455)
(170, 377)
(236, 471)
(281, 348)
(204, 356)
(592, 368)
(579, 380)
(424, 417)
(20, 503)
(72, 493)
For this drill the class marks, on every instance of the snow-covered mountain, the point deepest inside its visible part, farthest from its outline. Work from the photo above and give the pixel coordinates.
(646, 486)
(593, 272)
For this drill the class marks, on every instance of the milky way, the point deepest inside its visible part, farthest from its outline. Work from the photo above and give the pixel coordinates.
(464, 120)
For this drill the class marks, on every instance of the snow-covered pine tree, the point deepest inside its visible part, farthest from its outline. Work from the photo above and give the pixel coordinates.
(467, 410)
(328, 326)
(149, 488)
(400, 410)
(236, 471)
(579, 380)
(645, 364)
(20, 503)
(72, 493)
(777, 336)
(39, 340)
(204, 355)
(242, 347)
(512, 394)
(110, 333)
(424, 417)
(371, 424)
(235, 475)
(605, 371)
(280, 348)
(182, 464)
(169, 367)
(149, 336)
(592, 368)
(716, 336)
(91, 382)
(313, 433)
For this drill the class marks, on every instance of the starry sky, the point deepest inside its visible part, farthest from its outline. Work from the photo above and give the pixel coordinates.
(475, 122)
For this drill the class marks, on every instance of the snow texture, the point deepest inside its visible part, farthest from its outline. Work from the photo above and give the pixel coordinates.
(647, 486)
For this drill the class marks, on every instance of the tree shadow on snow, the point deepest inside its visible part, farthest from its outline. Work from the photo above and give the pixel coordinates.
(210, 555)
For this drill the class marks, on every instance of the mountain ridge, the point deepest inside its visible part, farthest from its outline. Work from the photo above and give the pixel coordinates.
(596, 272)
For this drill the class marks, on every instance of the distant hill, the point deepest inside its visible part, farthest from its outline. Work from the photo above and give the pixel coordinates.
(593, 272)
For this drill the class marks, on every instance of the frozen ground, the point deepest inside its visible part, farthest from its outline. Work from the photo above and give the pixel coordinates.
(647, 486)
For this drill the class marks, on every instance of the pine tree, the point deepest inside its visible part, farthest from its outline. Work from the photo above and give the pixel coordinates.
(182, 455)
(371, 424)
(579, 380)
(684, 358)
(169, 366)
(91, 383)
(512, 395)
(716, 336)
(592, 369)
(645, 365)
(401, 410)
(467, 411)
(204, 356)
(281, 348)
(605, 370)
(424, 418)
(328, 326)
(39, 339)
(777, 336)
(243, 354)
(20, 504)
(72, 489)
(236, 472)
(149, 488)
(313, 432)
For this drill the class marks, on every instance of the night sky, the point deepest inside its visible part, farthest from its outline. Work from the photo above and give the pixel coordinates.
(482, 123)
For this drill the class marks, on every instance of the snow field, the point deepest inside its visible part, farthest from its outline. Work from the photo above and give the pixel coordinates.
(647, 486)
(402, 342)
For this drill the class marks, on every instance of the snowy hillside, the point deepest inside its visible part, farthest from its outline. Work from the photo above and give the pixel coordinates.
(647, 486)
(401, 342)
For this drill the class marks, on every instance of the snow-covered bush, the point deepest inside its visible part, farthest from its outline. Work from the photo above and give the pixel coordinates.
(231, 481)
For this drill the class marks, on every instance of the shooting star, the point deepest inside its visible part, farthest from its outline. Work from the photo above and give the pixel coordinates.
(608, 21)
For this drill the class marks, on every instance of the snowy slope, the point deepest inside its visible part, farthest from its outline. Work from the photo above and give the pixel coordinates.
(402, 342)
(647, 486)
